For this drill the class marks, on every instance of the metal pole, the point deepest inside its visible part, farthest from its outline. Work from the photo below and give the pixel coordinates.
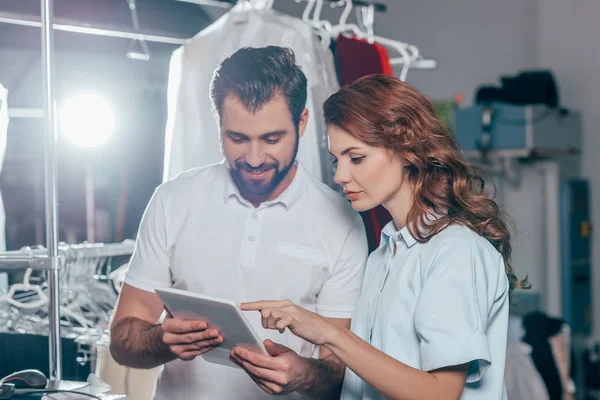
(54, 337)
(16, 262)
(26, 20)
(90, 206)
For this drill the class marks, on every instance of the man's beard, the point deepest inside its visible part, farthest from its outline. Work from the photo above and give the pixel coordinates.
(259, 188)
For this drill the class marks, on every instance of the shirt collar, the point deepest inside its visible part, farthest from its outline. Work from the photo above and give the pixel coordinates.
(288, 198)
(391, 232)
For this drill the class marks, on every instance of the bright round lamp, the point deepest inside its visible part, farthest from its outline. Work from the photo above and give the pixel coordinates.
(86, 120)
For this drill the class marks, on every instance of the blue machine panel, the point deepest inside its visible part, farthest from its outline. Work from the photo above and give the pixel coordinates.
(576, 255)
(508, 128)
(517, 130)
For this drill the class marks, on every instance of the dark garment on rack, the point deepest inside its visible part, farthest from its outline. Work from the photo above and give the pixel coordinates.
(19, 352)
(357, 58)
(539, 328)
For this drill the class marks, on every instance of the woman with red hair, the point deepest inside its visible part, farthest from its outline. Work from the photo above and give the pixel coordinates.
(432, 319)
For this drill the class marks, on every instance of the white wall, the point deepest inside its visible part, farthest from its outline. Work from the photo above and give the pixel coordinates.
(474, 41)
(568, 35)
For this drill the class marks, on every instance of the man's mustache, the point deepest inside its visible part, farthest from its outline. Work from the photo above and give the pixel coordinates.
(255, 170)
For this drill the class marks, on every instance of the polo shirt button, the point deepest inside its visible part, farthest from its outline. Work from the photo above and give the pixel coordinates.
(255, 215)
(251, 238)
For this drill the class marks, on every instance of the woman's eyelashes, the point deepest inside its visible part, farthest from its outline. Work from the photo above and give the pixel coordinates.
(357, 159)
(353, 160)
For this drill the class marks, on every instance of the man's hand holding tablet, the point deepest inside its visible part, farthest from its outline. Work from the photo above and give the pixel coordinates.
(188, 338)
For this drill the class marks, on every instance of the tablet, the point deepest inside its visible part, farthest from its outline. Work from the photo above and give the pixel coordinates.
(221, 314)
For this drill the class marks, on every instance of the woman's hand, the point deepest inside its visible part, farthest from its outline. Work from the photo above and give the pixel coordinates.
(278, 315)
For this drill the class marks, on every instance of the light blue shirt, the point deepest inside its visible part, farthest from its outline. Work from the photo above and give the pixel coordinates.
(434, 305)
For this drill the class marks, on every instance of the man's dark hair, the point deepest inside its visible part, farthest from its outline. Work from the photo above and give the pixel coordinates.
(255, 75)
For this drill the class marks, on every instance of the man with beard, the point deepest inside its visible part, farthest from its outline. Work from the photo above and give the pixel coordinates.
(255, 226)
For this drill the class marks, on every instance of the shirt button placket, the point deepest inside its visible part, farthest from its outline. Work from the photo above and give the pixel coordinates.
(251, 236)
(385, 276)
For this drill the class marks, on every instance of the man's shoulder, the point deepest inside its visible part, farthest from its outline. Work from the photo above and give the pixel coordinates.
(329, 205)
(188, 180)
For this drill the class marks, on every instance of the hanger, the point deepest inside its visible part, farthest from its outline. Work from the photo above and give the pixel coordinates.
(368, 21)
(322, 27)
(407, 52)
(346, 12)
(25, 286)
(403, 49)
(343, 26)
(309, 7)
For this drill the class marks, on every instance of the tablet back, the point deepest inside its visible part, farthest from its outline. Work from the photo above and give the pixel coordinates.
(220, 314)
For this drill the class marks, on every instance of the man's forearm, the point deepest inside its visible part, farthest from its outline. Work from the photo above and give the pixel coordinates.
(324, 378)
(138, 344)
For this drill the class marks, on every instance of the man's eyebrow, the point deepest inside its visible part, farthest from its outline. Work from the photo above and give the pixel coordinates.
(274, 133)
(234, 133)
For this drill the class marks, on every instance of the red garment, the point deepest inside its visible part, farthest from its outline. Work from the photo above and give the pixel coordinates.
(357, 58)
(384, 58)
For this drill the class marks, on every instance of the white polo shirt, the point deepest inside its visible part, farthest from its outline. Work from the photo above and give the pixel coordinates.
(199, 234)
(434, 305)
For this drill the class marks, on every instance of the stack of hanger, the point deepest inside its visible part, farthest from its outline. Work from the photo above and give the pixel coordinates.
(408, 54)
(89, 290)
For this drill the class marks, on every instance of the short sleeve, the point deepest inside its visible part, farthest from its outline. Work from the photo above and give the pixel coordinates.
(149, 265)
(340, 292)
(451, 315)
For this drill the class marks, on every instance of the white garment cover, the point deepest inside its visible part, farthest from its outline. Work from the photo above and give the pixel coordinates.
(3, 138)
(523, 381)
(192, 137)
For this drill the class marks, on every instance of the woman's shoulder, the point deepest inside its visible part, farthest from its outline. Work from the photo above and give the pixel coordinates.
(462, 238)
(460, 251)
